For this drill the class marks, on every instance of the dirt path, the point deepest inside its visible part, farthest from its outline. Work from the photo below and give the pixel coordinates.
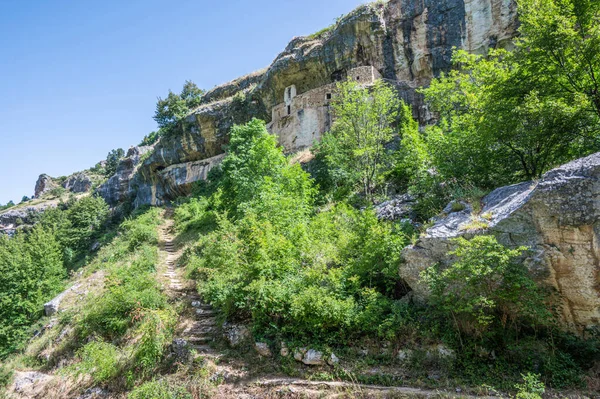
(197, 326)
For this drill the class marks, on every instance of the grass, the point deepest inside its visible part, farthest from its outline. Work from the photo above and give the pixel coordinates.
(117, 334)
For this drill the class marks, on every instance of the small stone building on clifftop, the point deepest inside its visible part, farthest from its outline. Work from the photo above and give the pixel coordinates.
(301, 119)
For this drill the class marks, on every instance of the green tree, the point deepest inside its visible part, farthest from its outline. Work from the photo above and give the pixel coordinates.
(355, 149)
(498, 126)
(25, 199)
(151, 138)
(256, 173)
(112, 161)
(560, 45)
(171, 110)
(87, 217)
(512, 116)
(31, 272)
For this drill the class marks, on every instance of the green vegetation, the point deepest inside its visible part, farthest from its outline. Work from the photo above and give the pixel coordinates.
(131, 305)
(511, 116)
(171, 111)
(8, 205)
(151, 138)
(31, 272)
(159, 390)
(112, 161)
(34, 263)
(488, 292)
(355, 150)
(328, 275)
(296, 273)
(304, 260)
(531, 388)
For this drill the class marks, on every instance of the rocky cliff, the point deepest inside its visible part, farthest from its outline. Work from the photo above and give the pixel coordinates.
(118, 188)
(558, 218)
(406, 41)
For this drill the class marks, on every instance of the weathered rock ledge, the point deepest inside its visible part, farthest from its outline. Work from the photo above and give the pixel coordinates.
(558, 218)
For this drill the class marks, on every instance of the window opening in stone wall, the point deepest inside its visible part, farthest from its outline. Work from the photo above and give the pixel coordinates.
(329, 96)
(289, 92)
(289, 109)
(358, 78)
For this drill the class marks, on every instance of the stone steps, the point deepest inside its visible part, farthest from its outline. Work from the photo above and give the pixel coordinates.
(204, 329)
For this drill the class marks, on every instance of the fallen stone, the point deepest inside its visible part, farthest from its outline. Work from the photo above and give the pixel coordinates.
(263, 349)
(93, 393)
(333, 360)
(404, 355)
(284, 352)
(235, 334)
(180, 349)
(396, 209)
(313, 358)
(299, 354)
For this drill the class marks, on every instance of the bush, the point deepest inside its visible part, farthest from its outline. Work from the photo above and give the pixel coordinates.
(128, 289)
(531, 388)
(257, 176)
(151, 138)
(487, 290)
(354, 150)
(57, 192)
(160, 389)
(155, 330)
(98, 359)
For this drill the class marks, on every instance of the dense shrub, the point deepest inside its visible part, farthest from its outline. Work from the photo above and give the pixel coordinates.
(294, 272)
(487, 290)
(98, 359)
(31, 272)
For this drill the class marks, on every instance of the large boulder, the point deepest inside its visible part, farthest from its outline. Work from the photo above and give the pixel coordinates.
(43, 185)
(78, 183)
(557, 217)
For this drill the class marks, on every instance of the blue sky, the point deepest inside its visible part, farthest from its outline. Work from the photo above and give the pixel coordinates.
(79, 78)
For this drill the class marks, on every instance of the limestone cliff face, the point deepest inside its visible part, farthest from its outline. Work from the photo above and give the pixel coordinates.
(557, 217)
(119, 188)
(406, 41)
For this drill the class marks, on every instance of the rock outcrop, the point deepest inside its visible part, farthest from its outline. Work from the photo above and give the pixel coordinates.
(407, 42)
(43, 185)
(118, 188)
(11, 219)
(558, 218)
(78, 183)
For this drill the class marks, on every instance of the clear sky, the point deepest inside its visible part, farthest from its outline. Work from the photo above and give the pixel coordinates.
(79, 78)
